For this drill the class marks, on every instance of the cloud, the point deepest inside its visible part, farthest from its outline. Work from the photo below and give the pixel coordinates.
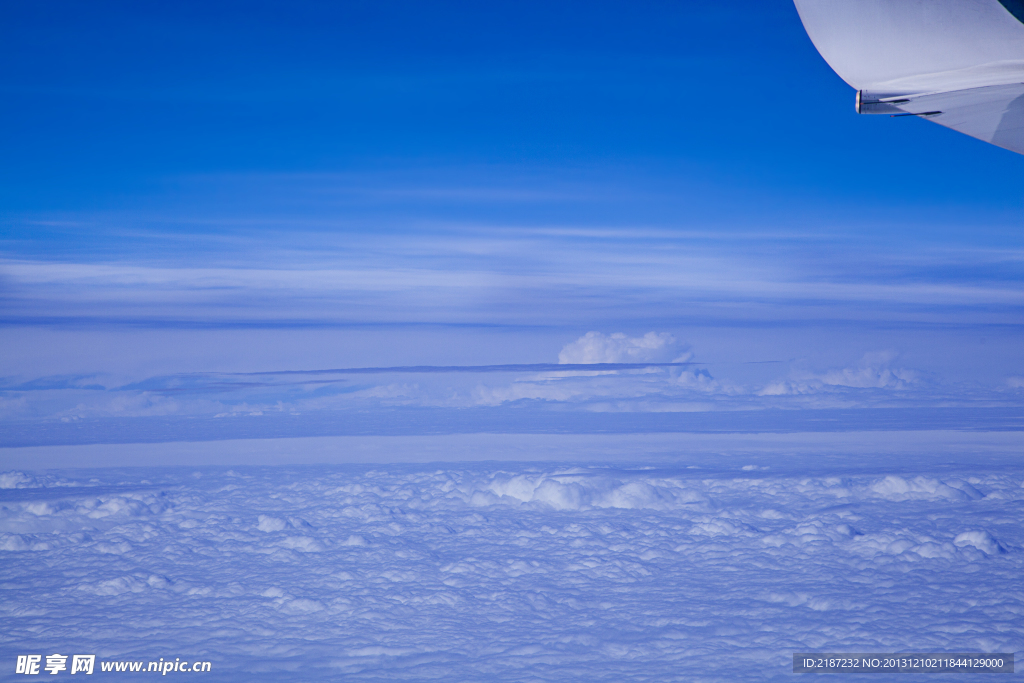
(653, 347)
(537, 391)
(699, 379)
(875, 371)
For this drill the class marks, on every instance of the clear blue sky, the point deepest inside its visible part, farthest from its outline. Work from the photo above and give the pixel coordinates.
(106, 103)
(217, 187)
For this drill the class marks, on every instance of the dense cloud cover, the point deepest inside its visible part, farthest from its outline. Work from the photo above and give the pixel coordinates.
(512, 572)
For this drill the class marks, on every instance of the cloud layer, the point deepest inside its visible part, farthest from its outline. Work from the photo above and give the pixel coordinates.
(520, 571)
(521, 394)
(171, 335)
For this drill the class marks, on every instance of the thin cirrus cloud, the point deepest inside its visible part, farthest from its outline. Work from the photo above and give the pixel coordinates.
(513, 277)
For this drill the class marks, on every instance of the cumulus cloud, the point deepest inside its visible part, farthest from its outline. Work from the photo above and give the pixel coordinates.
(982, 540)
(16, 480)
(623, 388)
(875, 371)
(653, 347)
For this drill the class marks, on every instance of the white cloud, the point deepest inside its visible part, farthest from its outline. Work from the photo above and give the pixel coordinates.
(653, 347)
(699, 379)
(875, 371)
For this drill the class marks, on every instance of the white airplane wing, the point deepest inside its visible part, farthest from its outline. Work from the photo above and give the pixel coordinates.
(959, 63)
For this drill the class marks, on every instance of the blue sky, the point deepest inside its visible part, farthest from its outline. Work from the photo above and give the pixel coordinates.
(199, 189)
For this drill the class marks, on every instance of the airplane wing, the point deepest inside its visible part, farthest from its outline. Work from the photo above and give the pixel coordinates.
(959, 63)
